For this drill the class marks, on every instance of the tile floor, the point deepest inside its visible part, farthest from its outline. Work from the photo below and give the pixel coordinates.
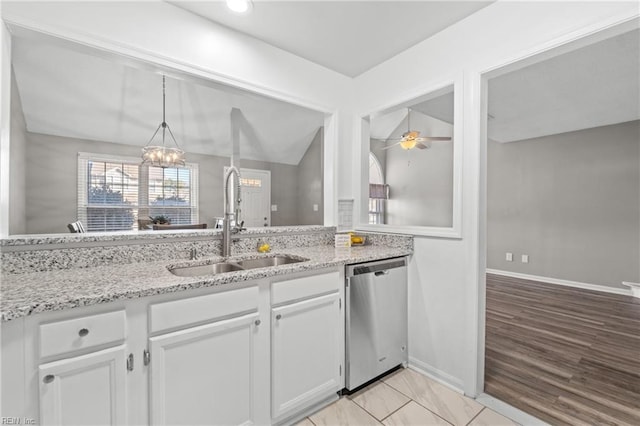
(403, 398)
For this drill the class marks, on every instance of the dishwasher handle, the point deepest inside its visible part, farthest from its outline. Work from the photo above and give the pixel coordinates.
(379, 273)
(377, 266)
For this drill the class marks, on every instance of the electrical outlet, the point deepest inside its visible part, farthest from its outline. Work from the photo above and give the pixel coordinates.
(274, 207)
(315, 207)
(509, 257)
(525, 258)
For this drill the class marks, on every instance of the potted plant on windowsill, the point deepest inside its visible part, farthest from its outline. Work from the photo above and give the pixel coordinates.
(161, 220)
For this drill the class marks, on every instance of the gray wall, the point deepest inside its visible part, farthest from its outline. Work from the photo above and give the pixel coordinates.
(283, 190)
(571, 202)
(51, 182)
(310, 183)
(421, 180)
(17, 158)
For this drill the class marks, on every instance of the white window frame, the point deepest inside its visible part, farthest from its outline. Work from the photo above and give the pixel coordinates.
(376, 205)
(143, 185)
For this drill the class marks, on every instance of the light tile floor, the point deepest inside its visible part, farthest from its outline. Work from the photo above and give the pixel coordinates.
(405, 398)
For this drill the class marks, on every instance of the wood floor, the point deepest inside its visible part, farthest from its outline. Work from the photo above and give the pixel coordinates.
(564, 355)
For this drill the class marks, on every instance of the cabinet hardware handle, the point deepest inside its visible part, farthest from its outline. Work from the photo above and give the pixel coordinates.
(278, 316)
(146, 357)
(257, 322)
(130, 362)
(48, 378)
(83, 332)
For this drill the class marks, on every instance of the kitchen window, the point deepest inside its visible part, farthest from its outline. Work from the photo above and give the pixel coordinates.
(114, 192)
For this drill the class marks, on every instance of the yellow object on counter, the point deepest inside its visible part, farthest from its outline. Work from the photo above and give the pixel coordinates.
(264, 248)
(356, 239)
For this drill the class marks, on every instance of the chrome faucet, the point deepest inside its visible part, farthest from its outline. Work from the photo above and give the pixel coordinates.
(227, 229)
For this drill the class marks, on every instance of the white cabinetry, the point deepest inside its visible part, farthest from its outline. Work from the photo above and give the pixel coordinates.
(85, 390)
(205, 374)
(266, 352)
(88, 386)
(306, 343)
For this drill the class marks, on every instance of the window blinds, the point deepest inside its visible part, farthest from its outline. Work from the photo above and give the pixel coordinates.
(113, 192)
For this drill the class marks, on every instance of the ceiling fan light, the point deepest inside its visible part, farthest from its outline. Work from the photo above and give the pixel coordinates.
(408, 144)
(239, 6)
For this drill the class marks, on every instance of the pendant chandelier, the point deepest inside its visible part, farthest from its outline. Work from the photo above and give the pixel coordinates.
(161, 155)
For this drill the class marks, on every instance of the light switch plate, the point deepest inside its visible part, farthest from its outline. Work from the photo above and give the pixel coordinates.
(509, 257)
(525, 258)
(274, 207)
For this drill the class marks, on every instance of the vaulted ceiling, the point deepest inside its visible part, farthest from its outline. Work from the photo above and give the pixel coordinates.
(73, 94)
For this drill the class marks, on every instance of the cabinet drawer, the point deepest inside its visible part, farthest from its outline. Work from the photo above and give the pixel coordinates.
(199, 309)
(302, 288)
(61, 337)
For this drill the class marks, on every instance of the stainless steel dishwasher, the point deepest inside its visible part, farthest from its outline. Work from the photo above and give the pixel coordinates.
(376, 319)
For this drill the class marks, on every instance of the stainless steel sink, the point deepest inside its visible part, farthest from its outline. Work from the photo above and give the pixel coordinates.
(212, 269)
(264, 262)
(239, 265)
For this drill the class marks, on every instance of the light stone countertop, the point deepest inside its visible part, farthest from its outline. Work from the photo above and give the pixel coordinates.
(31, 293)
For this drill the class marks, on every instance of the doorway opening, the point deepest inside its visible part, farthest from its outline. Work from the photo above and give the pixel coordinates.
(563, 232)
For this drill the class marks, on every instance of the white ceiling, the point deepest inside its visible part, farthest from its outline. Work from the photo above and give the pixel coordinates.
(394, 123)
(593, 86)
(349, 37)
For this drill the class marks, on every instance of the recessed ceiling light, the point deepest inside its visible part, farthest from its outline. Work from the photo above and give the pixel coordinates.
(240, 6)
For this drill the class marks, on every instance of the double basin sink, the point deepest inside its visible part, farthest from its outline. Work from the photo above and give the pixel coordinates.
(231, 266)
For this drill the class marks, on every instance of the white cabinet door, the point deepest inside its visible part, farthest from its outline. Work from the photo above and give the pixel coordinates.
(85, 390)
(204, 375)
(305, 353)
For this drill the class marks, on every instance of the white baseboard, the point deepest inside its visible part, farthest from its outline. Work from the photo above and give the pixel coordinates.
(509, 411)
(567, 283)
(439, 376)
(634, 287)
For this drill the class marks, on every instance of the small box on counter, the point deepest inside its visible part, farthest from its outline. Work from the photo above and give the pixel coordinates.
(343, 240)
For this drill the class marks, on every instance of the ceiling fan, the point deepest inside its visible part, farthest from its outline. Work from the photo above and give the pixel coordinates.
(412, 139)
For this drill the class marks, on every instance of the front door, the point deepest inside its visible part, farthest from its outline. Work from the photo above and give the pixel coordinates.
(256, 197)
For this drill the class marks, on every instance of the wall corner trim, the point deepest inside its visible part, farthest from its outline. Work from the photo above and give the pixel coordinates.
(439, 376)
(566, 283)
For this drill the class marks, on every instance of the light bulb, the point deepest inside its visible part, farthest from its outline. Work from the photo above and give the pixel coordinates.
(239, 6)
(408, 144)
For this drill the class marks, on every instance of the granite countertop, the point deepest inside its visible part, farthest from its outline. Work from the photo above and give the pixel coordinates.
(31, 293)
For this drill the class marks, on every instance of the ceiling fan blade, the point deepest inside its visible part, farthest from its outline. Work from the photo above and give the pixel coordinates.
(391, 146)
(421, 145)
(433, 138)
